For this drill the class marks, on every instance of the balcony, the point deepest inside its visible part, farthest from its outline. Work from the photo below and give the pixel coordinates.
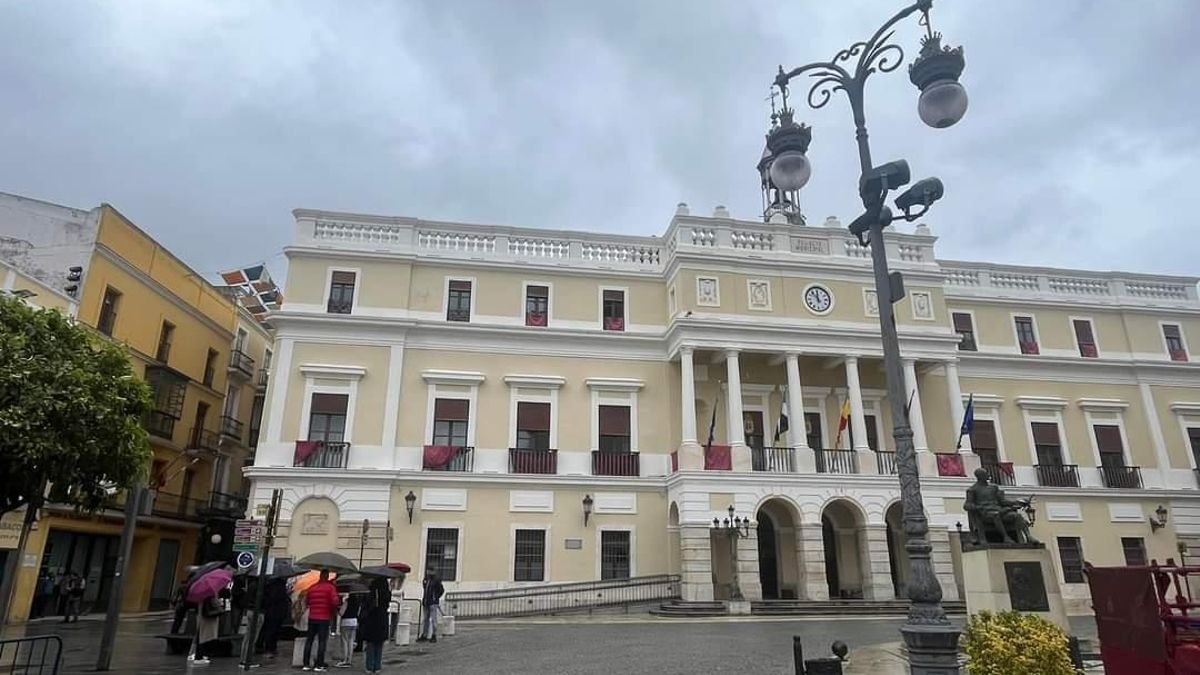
(522, 460)
(885, 462)
(160, 424)
(229, 505)
(321, 454)
(836, 461)
(203, 439)
(1121, 476)
(773, 460)
(449, 458)
(1057, 475)
(999, 473)
(167, 505)
(231, 428)
(241, 364)
(263, 377)
(616, 463)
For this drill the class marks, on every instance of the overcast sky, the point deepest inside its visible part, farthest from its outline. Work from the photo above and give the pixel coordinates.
(207, 122)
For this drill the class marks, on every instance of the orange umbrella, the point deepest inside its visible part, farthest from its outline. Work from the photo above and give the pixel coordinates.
(305, 581)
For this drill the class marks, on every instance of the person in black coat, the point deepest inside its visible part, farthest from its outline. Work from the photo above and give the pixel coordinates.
(276, 606)
(373, 622)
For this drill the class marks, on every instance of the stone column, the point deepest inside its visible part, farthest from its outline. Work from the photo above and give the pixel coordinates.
(858, 420)
(915, 418)
(806, 462)
(733, 423)
(695, 563)
(691, 455)
(810, 551)
(943, 562)
(954, 391)
(877, 572)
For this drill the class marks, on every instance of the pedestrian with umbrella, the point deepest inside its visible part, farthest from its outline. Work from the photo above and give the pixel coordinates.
(352, 592)
(276, 605)
(373, 622)
(208, 592)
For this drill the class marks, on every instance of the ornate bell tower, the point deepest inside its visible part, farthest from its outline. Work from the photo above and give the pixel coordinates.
(783, 167)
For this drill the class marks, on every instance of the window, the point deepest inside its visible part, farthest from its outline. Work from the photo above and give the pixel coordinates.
(614, 554)
(341, 292)
(1108, 442)
(529, 563)
(872, 432)
(441, 552)
(752, 427)
(256, 411)
(327, 418)
(1193, 435)
(812, 429)
(983, 441)
(108, 311)
(458, 301)
(614, 310)
(533, 425)
(163, 352)
(451, 418)
(614, 428)
(1026, 338)
(1135, 550)
(210, 367)
(1174, 340)
(1045, 440)
(1085, 338)
(966, 331)
(537, 305)
(1070, 554)
(239, 342)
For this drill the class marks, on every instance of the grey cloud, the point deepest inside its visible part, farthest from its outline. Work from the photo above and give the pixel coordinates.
(207, 122)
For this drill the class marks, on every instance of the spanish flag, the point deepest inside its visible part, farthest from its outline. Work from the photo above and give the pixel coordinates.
(843, 421)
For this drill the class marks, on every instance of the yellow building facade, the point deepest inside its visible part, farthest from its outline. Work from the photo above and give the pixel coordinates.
(513, 406)
(199, 352)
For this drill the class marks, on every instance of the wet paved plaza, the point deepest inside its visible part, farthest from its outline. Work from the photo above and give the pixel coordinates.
(570, 646)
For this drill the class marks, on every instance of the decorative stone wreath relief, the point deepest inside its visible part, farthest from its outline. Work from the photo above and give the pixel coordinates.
(315, 523)
(870, 302)
(922, 305)
(760, 294)
(708, 292)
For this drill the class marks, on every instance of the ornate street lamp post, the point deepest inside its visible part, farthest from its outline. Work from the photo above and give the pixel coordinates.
(931, 640)
(735, 527)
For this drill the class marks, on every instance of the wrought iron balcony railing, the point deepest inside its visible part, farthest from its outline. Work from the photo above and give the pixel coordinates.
(1057, 475)
(616, 463)
(773, 459)
(203, 439)
(232, 427)
(523, 460)
(836, 461)
(1121, 476)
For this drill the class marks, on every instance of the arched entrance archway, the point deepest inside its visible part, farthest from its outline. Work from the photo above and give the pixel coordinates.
(897, 554)
(843, 534)
(778, 561)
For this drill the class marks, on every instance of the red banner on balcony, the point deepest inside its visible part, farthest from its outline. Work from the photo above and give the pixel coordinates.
(718, 458)
(614, 323)
(438, 456)
(950, 465)
(304, 450)
(535, 319)
(1006, 468)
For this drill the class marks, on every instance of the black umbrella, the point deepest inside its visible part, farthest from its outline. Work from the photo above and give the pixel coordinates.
(334, 562)
(381, 571)
(351, 586)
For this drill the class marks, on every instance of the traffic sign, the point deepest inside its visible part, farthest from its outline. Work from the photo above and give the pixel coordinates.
(251, 548)
(245, 559)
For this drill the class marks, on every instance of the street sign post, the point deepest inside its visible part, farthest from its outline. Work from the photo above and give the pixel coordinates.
(258, 539)
(245, 559)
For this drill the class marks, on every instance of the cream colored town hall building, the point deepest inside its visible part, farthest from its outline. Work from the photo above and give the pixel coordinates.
(543, 399)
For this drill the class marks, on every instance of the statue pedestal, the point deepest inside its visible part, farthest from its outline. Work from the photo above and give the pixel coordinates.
(1020, 577)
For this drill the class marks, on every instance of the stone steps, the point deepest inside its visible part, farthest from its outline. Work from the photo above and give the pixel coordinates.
(680, 608)
(842, 607)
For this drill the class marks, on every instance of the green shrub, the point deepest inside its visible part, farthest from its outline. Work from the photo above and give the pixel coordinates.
(1012, 643)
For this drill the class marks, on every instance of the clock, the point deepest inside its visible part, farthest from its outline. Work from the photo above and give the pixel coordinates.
(818, 299)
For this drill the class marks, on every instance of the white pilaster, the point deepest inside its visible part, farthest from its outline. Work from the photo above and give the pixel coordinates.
(687, 388)
(733, 422)
(391, 402)
(858, 423)
(954, 390)
(915, 418)
(806, 461)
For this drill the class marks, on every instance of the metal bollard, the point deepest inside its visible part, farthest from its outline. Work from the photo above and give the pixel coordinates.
(1076, 652)
(798, 654)
(828, 665)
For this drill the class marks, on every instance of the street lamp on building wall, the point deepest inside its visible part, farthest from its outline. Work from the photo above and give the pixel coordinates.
(735, 527)
(931, 640)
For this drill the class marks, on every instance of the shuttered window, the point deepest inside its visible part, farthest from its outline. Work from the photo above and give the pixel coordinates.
(533, 425)
(1046, 441)
(537, 305)
(614, 554)
(1026, 338)
(1084, 338)
(1174, 339)
(614, 310)
(458, 300)
(441, 552)
(327, 418)
(1108, 442)
(614, 428)
(1070, 554)
(966, 331)
(451, 417)
(341, 292)
(1134, 549)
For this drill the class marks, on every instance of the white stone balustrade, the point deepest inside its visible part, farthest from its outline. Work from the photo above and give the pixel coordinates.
(1097, 287)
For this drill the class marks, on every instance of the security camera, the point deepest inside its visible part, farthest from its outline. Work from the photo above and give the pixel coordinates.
(886, 177)
(862, 224)
(922, 193)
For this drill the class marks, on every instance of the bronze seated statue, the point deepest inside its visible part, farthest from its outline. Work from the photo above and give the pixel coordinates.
(994, 519)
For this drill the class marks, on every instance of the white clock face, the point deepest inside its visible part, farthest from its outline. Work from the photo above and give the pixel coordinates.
(818, 299)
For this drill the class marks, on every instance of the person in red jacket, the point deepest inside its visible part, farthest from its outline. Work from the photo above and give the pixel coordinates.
(322, 601)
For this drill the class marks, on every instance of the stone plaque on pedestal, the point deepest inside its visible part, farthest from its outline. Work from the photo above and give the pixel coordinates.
(1019, 577)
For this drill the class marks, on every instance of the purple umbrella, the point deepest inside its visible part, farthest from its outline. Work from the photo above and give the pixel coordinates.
(209, 585)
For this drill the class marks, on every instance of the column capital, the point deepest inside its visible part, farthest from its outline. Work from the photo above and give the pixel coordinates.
(907, 360)
(686, 349)
(850, 359)
(793, 354)
(731, 352)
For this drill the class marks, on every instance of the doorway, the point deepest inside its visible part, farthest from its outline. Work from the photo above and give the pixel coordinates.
(164, 574)
(768, 562)
(843, 534)
(897, 553)
(92, 557)
(779, 570)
